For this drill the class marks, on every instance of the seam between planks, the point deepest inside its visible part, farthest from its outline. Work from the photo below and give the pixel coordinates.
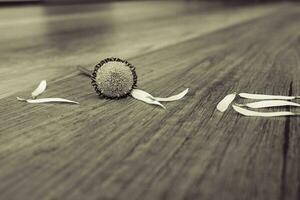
(285, 150)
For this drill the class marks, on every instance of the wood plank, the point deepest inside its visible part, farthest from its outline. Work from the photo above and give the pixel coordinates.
(48, 42)
(125, 149)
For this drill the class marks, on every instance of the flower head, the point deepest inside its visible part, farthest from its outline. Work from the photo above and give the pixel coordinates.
(114, 78)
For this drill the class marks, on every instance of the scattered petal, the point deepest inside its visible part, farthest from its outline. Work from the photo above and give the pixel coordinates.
(225, 102)
(251, 113)
(269, 103)
(21, 99)
(173, 98)
(263, 96)
(145, 97)
(40, 89)
(47, 100)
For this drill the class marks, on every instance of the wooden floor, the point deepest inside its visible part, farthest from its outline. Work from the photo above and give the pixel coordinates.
(125, 149)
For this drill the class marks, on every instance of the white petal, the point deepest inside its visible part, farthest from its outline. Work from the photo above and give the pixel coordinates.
(270, 103)
(263, 96)
(145, 97)
(261, 114)
(173, 98)
(47, 100)
(21, 99)
(40, 89)
(225, 102)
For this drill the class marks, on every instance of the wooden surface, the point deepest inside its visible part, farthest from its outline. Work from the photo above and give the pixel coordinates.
(125, 149)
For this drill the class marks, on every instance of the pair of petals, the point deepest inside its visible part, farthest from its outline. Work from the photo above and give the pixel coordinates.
(41, 89)
(148, 98)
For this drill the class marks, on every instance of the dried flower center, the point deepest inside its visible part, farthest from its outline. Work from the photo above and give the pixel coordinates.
(114, 79)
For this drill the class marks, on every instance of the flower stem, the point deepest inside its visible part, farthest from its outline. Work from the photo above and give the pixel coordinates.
(84, 70)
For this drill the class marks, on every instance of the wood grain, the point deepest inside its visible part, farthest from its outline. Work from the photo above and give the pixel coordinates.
(125, 149)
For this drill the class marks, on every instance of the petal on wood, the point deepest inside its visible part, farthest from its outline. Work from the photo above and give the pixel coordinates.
(264, 96)
(173, 98)
(21, 99)
(225, 102)
(251, 113)
(40, 89)
(48, 100)
(269, 103)
(145, 97)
